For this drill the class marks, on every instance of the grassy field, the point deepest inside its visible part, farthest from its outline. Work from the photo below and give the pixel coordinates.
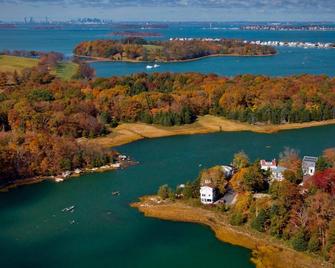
(266, 250)
(12, 63)
(130, 132)
(64, 70)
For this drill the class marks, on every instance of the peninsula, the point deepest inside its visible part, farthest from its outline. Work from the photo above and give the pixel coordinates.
(57, 124)
(282, 210)
(182, 49)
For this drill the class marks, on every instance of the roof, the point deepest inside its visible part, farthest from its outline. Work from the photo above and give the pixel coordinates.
(268, 163)
(311, 159)
(279, 169)
(206, 187)
(226, 167)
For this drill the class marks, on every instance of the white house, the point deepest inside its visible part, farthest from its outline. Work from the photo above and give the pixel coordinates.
(266, 165)
(207, 194)
(309, 165)
(277, 172)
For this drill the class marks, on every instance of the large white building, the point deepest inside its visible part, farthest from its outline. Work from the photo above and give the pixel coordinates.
(309, 165)
(207, 195)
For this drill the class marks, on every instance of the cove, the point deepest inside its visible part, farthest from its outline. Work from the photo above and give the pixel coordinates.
(103, 231)
(288, 61)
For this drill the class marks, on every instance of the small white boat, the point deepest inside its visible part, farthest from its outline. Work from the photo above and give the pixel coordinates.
(68, 209)
(156, 66)
(116, 193)
(149, 67)
(58, 179)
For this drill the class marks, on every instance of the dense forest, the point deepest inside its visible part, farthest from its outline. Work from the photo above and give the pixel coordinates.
(28, 149)
(303, 216)
(138, 49)
(35, 102)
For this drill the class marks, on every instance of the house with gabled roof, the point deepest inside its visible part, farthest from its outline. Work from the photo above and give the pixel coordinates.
(268, 165)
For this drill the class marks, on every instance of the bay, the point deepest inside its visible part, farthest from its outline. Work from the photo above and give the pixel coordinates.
(103, 231)
(289, 61)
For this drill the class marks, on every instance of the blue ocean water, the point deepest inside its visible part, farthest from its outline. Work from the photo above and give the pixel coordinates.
(289, 61)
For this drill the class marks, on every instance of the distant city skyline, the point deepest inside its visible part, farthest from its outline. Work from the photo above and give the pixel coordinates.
(171, 10)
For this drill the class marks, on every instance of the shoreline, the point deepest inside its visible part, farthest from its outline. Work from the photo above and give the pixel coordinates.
(60, 178)
(130, 132)
(101, 59)
(266, 250)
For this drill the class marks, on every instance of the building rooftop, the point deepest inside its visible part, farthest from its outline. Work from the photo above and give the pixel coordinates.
(268, 163)
(311, 159)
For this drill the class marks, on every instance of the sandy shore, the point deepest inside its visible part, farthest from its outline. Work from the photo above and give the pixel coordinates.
(266, 251)
(130, 132)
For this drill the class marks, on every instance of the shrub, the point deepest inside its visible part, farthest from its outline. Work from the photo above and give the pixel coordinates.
(237, 219)
(163, 191)
(40, 95)
(314, 243)
(259, 222)
(299, 242)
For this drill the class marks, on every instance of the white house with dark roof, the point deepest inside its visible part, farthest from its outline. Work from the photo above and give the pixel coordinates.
(309, 165)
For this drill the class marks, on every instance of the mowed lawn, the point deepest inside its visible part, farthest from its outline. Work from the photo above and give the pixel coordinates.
(64, 70)
(12, 63)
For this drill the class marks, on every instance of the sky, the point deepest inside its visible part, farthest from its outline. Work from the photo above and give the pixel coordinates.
(171, 10)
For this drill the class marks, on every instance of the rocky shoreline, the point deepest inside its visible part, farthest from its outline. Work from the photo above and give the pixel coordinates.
(66, 175)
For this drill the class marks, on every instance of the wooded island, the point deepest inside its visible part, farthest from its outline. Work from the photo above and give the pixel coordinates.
(138, 49)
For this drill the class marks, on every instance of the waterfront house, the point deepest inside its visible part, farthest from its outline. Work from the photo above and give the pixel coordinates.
(278, 173)
(228, 171)
(208, 194)
(268, 165)
(309, 165)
